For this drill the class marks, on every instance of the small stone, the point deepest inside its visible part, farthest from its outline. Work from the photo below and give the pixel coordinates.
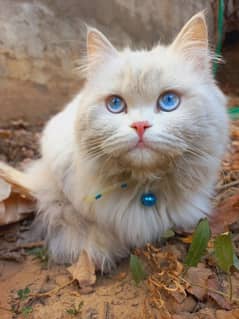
(86, 290)
(134, 304)
(116, 302)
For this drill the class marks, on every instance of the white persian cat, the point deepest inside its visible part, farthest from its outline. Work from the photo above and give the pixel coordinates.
(135, 153)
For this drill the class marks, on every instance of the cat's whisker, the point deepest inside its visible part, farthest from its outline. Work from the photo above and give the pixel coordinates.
(87, 149)
(115, 139)
(177, 142)
(200, 154)
(92, 142)
(93, 153)
(114, 145)
(172, 140)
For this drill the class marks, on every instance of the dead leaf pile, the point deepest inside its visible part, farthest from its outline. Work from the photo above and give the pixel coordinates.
(164, 284)
(203, 284)
(172, 291)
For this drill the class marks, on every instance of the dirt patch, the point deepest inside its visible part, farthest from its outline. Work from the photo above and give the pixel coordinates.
(114, 295)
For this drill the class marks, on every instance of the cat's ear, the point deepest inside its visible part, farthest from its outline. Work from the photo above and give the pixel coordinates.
(192, 41)
(99, 49)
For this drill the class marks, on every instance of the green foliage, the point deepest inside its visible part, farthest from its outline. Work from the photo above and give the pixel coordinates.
(137, 269)
(23, 293)
(73, 311)
(40, 253)
(199, 243)
(224, 252)
(225, 256)
(26, 310)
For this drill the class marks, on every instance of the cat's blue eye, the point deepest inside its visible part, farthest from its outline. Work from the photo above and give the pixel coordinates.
(168, 101)
(115, 104)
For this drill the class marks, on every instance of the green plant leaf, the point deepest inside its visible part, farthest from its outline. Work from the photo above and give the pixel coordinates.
(23, 293)
(199, 243)
(26, 310)
(39, 253)
(74, 311)
(224, 252)
(136, 269)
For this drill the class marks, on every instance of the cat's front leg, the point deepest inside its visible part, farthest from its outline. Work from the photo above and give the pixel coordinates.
(66, 230)
(67, 234)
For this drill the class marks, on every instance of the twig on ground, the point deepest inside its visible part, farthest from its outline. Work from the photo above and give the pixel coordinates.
(30, 245)
(53, 291)
(232, 299)
(106, 310)
(11, 256)
(228, 185)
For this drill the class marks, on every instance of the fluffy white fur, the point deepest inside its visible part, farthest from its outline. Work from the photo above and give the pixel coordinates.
(86, 149)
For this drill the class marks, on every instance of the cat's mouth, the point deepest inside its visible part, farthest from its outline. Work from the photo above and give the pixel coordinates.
(142, 145)
(144, 155)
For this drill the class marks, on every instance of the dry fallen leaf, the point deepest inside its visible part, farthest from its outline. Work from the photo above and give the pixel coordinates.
(203, 284)
(15, 208)
(198, 279)
(16, 200)
(83, 270)
(225, 215)
(214, 285)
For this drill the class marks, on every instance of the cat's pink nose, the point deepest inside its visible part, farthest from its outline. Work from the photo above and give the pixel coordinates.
(140, 127)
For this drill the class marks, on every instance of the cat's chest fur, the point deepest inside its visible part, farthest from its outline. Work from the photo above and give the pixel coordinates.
(120, 210)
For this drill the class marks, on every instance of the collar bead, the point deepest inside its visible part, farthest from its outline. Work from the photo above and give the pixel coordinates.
(148, 199)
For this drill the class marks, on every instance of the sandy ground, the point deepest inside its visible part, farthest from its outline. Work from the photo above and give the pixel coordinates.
(114, 296)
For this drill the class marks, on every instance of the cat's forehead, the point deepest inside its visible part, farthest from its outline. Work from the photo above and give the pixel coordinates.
(142, 74)
(141, 65)
(137, 72)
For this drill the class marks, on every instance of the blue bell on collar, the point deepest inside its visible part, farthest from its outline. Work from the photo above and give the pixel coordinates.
(148, 199)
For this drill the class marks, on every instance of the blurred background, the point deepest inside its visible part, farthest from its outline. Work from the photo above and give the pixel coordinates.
(41, 39)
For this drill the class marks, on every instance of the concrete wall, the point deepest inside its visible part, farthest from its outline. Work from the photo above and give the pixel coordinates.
(41, 39)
